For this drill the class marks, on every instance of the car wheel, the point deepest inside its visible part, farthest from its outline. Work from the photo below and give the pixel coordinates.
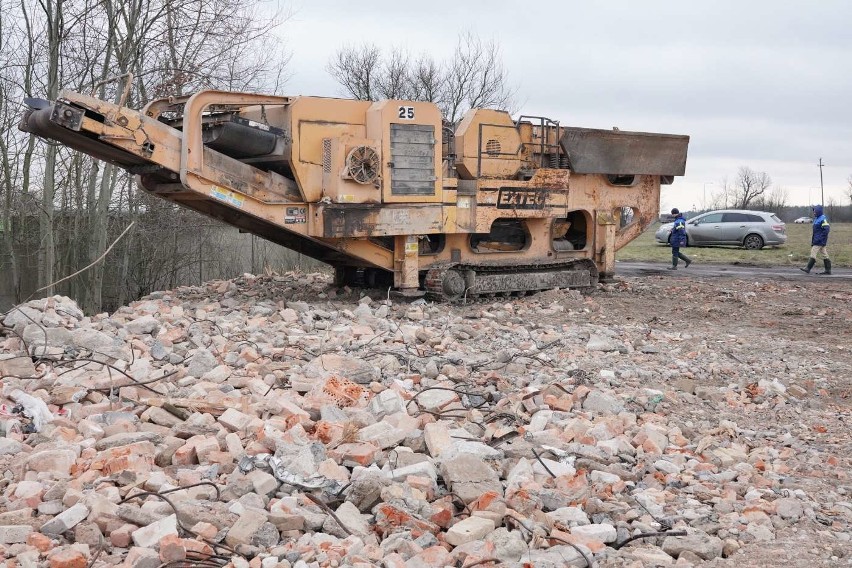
(753, 242)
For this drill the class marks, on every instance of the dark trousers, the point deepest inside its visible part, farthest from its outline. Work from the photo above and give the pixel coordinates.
(676, 254)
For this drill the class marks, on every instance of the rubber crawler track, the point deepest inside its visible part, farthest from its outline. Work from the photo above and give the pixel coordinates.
(435, 276)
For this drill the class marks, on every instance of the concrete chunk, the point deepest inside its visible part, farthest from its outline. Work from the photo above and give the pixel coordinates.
(249, 523)
(601, 532)
(14, 534)
(234, 420)
(385, 403)
(468, 530)
(263, 483)
(149, 536)
(704, 545)
(469, 477)
(66, 520)
(437, 436)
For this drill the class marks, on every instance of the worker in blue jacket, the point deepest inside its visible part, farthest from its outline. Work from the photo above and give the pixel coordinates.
(819, 241)
(678, 239)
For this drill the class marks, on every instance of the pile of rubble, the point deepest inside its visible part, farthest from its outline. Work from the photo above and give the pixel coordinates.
(277, 421)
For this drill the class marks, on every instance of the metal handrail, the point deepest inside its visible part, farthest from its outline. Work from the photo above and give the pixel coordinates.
(543, 124)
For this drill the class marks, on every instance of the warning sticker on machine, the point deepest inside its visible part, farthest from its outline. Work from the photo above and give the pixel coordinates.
(227, 196)
(295, 215)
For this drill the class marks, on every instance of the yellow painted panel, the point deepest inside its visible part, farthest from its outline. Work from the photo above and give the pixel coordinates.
(311, 134)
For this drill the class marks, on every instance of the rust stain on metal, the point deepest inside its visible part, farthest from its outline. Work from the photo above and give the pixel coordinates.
(551, 179)
(506, 183)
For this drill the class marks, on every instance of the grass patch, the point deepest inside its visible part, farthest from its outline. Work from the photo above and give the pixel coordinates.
(794, 253)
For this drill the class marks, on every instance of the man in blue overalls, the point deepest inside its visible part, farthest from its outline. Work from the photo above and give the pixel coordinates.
(819, 241)
(678, 239)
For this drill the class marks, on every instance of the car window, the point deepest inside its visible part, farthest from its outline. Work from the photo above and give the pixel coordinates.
(776, 219)
(735, 218)
(756, 219)
(711, 218)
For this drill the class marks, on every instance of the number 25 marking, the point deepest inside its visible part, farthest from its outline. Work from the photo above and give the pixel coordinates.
(406, 112)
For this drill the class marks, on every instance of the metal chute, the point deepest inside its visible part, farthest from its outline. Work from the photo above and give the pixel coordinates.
(592, 151)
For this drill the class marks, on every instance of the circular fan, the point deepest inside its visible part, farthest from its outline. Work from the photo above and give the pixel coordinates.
(362, 163)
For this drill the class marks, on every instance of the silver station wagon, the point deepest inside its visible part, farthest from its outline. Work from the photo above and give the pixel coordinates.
(748, 229)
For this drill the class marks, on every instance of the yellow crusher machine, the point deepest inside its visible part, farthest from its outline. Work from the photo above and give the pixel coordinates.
(386, 192)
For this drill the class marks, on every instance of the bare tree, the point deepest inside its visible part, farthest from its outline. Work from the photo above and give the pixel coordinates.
(224, 44)
(394, 80)
(776, 200)
(719, 199)
(473, 77)
(848, 190)
(476, 78)
(748, 186)
(64, 207)
(53, 12)
(357, 69)
(7, 187)
(833, 208)
(427, 80)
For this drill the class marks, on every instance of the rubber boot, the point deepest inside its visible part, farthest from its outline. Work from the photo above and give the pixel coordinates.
(811, 262)
(674, 263)
(685, 259)
(827, 264)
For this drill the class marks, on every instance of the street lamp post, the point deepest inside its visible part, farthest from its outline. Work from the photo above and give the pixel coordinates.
(821, 188)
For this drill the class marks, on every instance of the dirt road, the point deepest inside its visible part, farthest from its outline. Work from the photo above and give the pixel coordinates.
(730, 271)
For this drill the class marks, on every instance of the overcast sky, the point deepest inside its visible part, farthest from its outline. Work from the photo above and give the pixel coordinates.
(762, 83)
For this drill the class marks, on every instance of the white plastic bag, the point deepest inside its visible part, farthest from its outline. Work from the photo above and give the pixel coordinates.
(34, 408)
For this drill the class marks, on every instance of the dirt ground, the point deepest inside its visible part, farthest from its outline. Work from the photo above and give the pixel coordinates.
(813, 320)
(797, 333)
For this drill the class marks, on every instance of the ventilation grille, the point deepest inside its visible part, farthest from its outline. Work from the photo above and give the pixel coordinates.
(326, 155)
(492, 147)
(413, 159)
